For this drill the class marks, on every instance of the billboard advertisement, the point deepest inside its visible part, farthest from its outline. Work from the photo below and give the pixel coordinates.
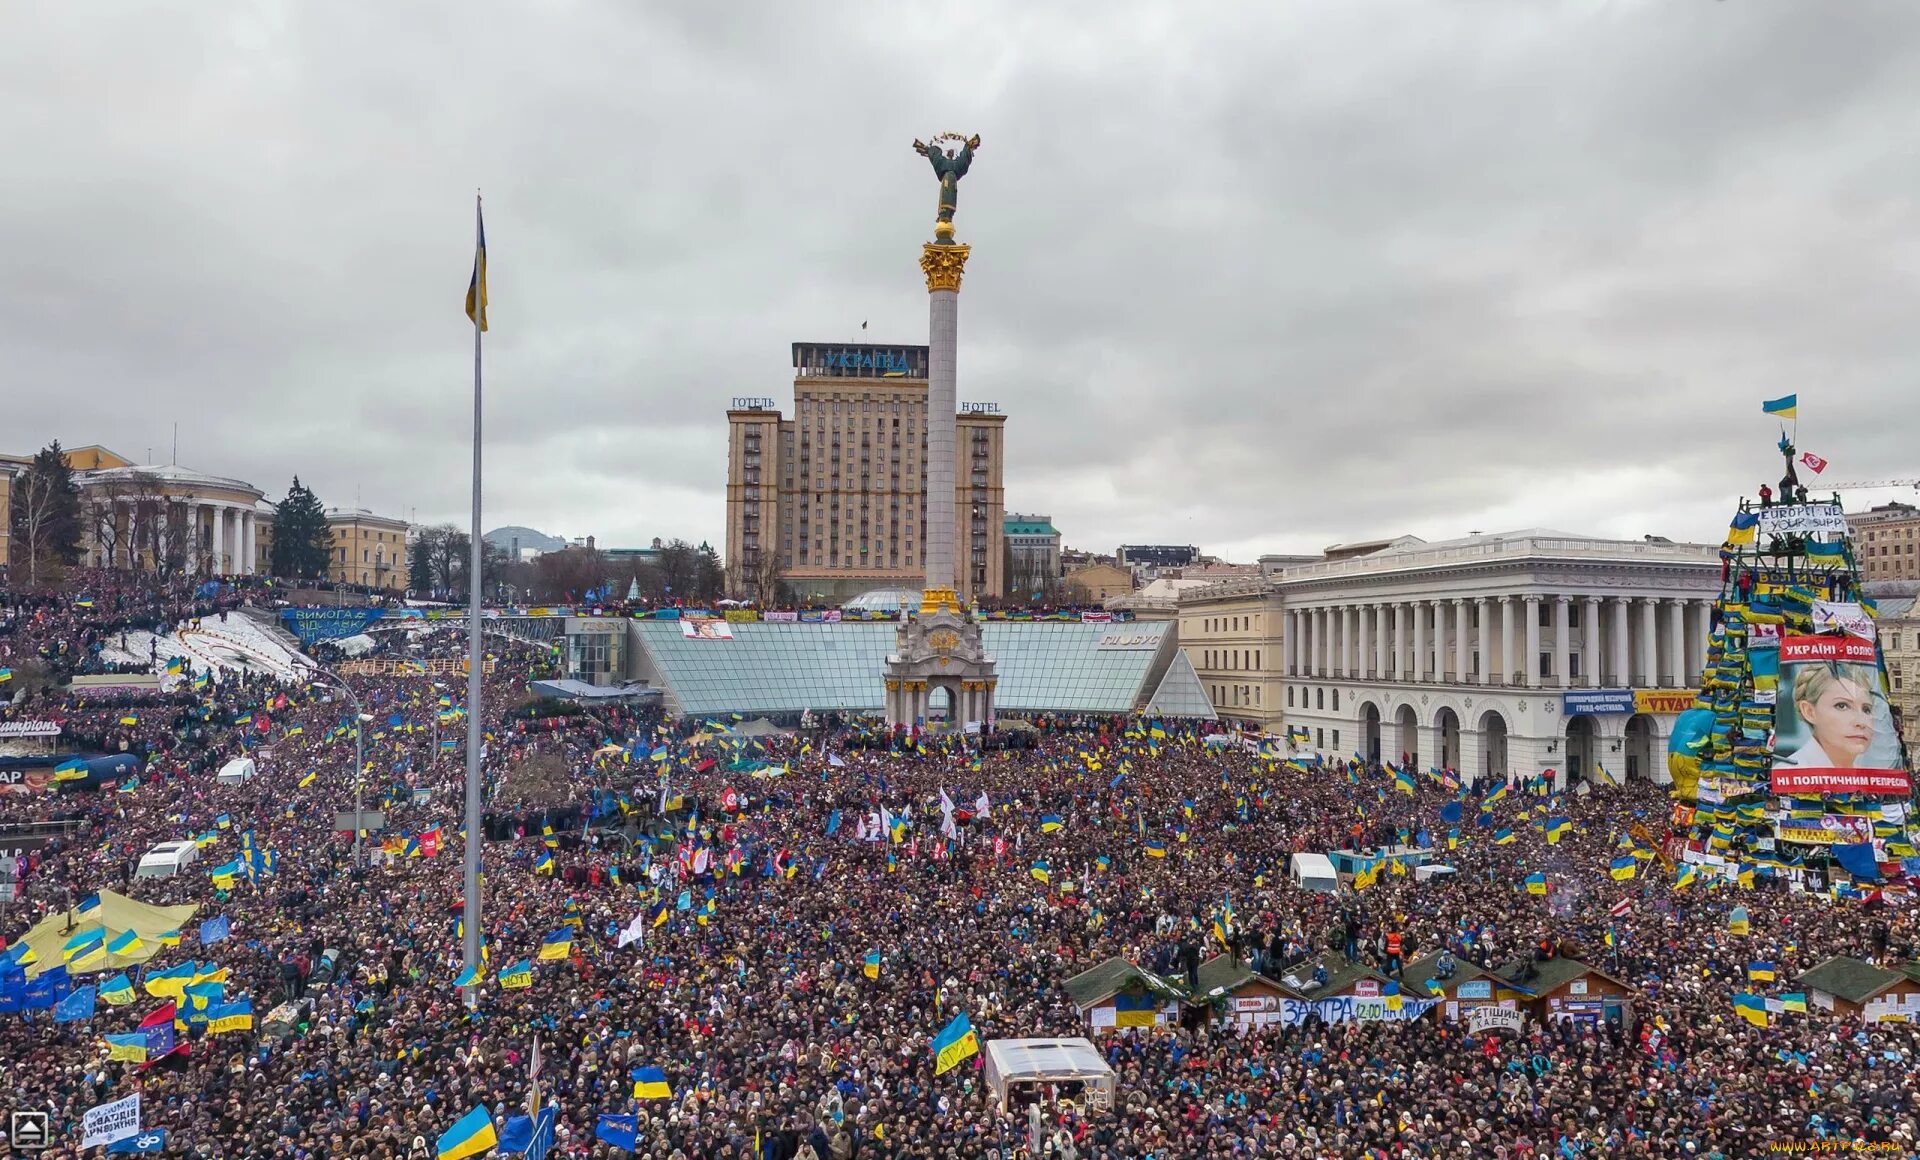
(1833, 731)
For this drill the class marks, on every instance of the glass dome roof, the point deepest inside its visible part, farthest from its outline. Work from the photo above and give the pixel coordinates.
(884, 600)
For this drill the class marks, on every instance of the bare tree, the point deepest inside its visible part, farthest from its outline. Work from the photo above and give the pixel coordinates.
(35, 511)
(176, 536)
(764, 577)
(113, 504)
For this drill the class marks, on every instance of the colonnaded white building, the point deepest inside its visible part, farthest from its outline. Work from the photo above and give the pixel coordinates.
(1494, 655)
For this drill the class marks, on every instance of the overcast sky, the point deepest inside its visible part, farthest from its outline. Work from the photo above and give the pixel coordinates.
(1255, 276)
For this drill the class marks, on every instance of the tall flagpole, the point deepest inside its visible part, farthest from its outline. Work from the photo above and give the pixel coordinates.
(471, 918)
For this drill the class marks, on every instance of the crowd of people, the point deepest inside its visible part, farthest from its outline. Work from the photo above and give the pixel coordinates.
(782, 926)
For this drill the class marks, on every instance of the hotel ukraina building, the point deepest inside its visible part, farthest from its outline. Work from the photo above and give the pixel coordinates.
(1494, 655)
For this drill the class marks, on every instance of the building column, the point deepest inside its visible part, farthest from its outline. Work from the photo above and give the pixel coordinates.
(1702, 634)
(1590, 649)
(1346, 640)
(1363, 644)
(220, 565)
(1382, 637)
(247, 546)
(1504, 673)
(1323, 640)
(1649, 642)
(1313, 642)
(1622, 663)
(1530, 663)
(1292, 642)
(1563, 641)
(1673, 673)
(1461, 658)
(1483, 611)
(1417, 671)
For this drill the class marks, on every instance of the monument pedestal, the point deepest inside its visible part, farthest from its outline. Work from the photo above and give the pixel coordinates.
(940, 649)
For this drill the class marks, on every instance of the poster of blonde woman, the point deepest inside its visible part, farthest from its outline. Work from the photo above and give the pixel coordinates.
(1832, 730)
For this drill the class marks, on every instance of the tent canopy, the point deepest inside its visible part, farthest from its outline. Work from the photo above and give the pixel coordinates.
(1044, 1060)
(116, 914)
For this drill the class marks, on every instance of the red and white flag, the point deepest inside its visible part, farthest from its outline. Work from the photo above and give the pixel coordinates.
(1813, 462)
(1621, 907)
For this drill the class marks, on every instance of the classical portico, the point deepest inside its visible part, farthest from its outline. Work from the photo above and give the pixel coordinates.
(1469, 654)
(148, 517)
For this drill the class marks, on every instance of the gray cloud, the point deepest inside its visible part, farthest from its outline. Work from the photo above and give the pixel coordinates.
(1259, 277)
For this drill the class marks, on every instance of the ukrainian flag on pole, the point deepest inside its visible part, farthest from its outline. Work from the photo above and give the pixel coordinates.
(477, 284)
(1784, 407)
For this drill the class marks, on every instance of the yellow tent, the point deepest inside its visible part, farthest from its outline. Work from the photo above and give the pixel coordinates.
(116, 915)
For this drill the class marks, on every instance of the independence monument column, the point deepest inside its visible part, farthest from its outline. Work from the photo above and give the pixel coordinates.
(941, 647)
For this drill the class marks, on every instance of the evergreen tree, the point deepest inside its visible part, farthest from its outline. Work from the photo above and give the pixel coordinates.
(302, 541)
(420, 565)
(711, 581)
(46, 512)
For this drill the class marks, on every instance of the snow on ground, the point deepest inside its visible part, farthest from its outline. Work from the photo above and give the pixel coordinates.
(236, 643)
(354, 645)
(139, 641)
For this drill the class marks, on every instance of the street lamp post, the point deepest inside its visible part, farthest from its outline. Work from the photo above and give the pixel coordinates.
(359, 752)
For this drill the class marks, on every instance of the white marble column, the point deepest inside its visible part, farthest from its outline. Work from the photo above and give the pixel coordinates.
(1649, 642)
(1563, 641)
(1590, 652)
(1382, 639)
(248, 548)
(1702, 613)
(1461, 657)
(1503, 672)
(1363, 657)
(1622, 674)
(1346, 641)
(1673, 672)
(1418, 670)
(1313, 642)
(1483, 612)
(1530, 663)
(1293, 642)
(219, 539)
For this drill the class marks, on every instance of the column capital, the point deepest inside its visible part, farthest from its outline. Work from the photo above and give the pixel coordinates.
(1592, 599)
(1563, 600)
(1458, 601)
(943, 265)
(1620, 600)
(1529, 598)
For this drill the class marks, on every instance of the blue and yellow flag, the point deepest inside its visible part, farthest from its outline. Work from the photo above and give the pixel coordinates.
(477, 290)
(650, 1083)
(517, 976)
(1051, 822)
(1760, 972)
(118, 990)
(955, 1043)
(871, 966)
(1041, 871)
(236, 1016)
(557, 945)
(470, 1135)
(1784, 407)
(1536, 883)
(1750, 1007)
(1623, 868)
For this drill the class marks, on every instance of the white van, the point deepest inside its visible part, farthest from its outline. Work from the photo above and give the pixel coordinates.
(240, 769)
(1314, 872)
(167, 859)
